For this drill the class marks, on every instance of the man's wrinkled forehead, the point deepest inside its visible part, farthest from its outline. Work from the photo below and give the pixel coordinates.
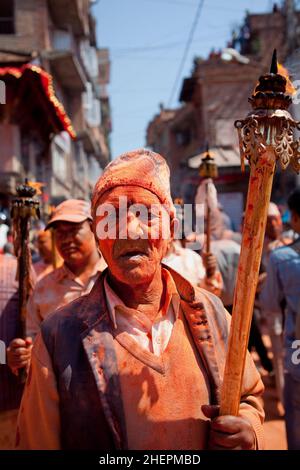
(134, 195)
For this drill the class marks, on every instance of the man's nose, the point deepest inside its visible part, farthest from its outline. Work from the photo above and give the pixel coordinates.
(134, 228)
(67, 237)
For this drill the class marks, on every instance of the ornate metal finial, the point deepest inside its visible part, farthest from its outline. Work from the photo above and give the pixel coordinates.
(274, 68)
(24, 205)
(270, 124)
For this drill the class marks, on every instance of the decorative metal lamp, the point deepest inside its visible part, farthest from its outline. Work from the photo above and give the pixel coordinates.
(208, 167)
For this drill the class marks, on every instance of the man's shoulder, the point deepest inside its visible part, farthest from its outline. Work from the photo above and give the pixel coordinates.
(204, 296)
(226, 246)
(193, 294)
(215, 311)
(69, 313)
(77, 314)
(8, 262)
(285, 252)
(50, 278)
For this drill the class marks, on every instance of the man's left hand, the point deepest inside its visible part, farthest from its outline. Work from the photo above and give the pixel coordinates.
(228, 432)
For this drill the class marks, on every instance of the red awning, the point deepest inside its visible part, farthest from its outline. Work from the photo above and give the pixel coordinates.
(46, 82)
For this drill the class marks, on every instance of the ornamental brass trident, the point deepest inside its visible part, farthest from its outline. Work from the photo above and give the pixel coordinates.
(265, 137)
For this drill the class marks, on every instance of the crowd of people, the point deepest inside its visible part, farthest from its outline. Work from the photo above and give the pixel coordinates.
(126, 335)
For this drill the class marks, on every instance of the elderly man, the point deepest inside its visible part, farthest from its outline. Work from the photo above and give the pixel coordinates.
(75, 243)
(129, 365)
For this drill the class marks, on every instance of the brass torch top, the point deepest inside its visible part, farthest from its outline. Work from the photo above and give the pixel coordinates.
(208, 167)
(270, 92)
(24, 204)
(25, 190)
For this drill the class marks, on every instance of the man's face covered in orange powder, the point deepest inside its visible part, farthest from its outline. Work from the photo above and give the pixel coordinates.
(44, 245)
(137, 235)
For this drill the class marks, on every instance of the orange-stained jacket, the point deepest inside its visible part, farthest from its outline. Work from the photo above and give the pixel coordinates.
(73, 394)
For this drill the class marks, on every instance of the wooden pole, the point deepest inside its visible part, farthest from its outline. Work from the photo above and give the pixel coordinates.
(208, 212)
(259, 194)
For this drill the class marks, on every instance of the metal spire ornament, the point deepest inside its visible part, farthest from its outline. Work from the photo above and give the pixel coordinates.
(270, 124)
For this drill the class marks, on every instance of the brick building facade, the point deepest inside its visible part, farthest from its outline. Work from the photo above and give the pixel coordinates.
(58, 36)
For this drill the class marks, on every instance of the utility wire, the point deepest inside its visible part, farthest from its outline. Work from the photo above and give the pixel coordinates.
(147, 48)
(186, 50)
(158, 47)
(193, 4)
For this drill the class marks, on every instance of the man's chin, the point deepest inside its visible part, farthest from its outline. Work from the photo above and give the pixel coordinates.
(73, 257)
(133, 275)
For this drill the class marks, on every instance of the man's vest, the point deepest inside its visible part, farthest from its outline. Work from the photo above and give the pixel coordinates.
(81, 345)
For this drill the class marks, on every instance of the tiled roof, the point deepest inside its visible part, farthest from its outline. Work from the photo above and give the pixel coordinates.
(223, 156)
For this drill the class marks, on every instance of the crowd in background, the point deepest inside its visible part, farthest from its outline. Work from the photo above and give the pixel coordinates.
(61, 276)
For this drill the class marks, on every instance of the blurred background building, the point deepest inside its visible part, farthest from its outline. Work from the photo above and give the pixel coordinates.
(56, 123)
(214, 96)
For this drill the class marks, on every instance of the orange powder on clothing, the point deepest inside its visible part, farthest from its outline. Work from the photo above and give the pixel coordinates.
(159, 396)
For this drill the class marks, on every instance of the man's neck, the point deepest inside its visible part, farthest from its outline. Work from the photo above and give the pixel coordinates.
(85, 269)
(146, 298)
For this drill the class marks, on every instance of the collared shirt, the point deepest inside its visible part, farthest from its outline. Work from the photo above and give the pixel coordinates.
(283, 281)
(42, 269)
(153, 336)
(55, 290)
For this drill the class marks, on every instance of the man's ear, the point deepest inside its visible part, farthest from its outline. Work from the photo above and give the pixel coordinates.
(91, 222)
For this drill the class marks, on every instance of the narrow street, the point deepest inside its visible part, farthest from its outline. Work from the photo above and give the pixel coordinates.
(275, 435)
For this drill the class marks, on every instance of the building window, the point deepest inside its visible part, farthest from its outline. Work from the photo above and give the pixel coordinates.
(60, 151)
(183, 137)
(7, 17)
